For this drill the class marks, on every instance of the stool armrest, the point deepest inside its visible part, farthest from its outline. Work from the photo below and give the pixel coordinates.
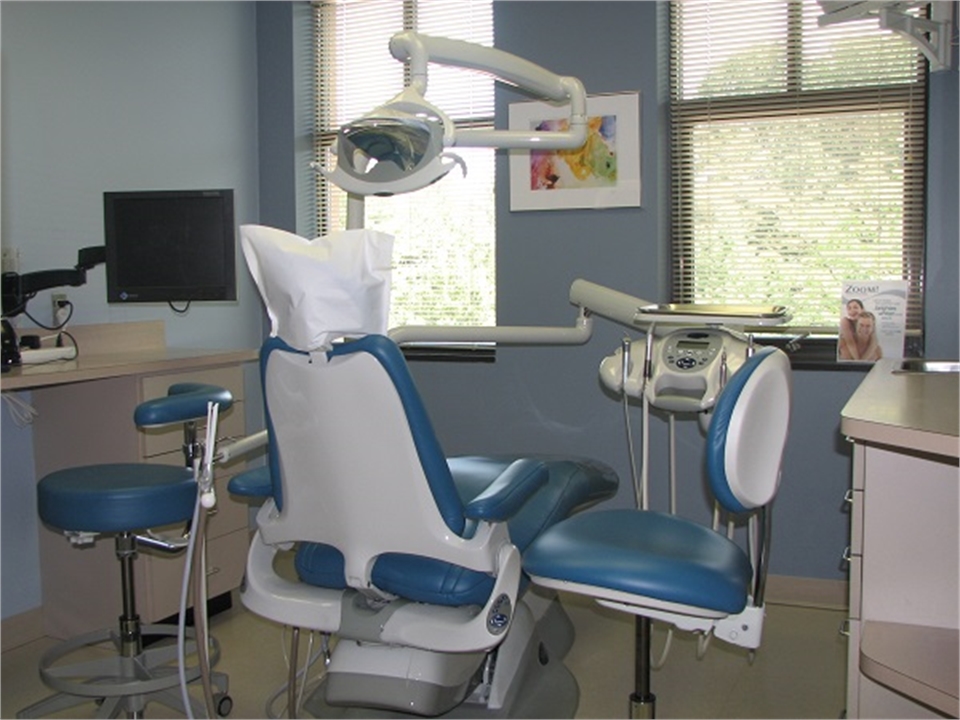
(508, 492)
(184, 401)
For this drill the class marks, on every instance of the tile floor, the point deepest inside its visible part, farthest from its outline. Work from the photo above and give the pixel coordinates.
(797, 673)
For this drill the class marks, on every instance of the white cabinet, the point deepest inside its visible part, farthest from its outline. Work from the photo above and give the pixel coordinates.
(904, 548)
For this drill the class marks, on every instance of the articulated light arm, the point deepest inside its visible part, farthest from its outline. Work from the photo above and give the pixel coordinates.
(401, 146)
(418, 50)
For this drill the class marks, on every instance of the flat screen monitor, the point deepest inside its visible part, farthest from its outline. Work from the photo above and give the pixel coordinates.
(170, 246)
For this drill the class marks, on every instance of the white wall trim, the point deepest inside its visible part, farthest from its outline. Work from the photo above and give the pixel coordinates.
(807, 592)
(21, 629)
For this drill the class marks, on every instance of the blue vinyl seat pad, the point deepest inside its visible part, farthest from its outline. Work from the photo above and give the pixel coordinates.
(117, 497)
(571, 484)
(649, 554)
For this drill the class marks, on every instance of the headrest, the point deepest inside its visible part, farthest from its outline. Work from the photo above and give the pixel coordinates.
(319, 290)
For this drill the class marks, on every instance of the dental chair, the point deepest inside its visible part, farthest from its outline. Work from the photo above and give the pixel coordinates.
(127, 500)
(663, 567)
(411, 560)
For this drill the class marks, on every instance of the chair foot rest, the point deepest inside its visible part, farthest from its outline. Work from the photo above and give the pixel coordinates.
(114, 675)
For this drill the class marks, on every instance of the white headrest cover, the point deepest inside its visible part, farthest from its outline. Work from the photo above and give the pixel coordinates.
(319, 290)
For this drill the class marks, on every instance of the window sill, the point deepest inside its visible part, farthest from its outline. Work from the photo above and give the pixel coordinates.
(818, 351)
(450, 352)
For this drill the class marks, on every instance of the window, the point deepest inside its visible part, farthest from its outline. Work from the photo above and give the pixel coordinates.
(797, 155)
(444, 253)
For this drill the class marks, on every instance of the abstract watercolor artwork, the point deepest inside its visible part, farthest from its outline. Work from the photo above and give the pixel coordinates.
(604, 172)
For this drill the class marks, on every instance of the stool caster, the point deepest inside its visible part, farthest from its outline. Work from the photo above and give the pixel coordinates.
(223, 704)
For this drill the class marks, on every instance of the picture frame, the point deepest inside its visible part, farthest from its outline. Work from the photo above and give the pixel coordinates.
(604, 173)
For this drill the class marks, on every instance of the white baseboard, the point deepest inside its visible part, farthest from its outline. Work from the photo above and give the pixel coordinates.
(21, 629)
(807, 592)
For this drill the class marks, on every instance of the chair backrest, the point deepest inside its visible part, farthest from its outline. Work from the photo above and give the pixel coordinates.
(748, 432)
(354, 460)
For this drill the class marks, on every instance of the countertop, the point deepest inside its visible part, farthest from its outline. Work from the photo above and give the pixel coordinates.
(114, 350)
(913, 411)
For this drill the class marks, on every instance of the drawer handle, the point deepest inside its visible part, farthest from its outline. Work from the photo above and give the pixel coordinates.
(845, 557)
(848, 497)
(844, 628)
(213, 571)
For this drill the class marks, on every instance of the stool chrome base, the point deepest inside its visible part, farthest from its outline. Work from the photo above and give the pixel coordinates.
(125, 684)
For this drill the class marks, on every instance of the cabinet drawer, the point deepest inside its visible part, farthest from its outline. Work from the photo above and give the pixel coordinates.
(853, 668)
(231, 378)
(855, 585)
(854, 500)
(162, 576)
(229, 515)
(156, 441)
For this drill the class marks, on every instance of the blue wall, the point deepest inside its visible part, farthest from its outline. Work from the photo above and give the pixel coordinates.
(99, 96)
(550, 400)
(116, 96)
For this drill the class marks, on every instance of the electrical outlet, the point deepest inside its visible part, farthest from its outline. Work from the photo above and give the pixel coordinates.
(61, 308)
(11, 259)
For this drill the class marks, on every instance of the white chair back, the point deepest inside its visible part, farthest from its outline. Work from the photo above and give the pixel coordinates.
(357, 464)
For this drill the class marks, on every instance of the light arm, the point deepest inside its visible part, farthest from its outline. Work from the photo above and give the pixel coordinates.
(419, 49)
(401, 146)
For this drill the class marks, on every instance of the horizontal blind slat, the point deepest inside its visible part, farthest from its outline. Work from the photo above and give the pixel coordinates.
(797, 156)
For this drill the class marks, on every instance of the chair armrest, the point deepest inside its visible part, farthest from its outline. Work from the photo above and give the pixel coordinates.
(252, 483)
(508, 492)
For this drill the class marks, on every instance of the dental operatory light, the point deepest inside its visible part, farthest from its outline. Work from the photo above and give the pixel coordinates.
(932, 35)
(402, 145)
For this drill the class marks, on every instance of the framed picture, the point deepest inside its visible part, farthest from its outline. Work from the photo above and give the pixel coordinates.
(604, 173)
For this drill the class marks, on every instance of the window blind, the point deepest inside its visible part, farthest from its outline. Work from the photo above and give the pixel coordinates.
(797, 157)
(444, 253)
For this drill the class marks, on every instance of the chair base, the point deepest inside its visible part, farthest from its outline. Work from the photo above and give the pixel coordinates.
(123, 685)
(528, 680)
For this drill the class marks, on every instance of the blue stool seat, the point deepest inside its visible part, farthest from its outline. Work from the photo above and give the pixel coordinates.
(117, 497)
(649, 554)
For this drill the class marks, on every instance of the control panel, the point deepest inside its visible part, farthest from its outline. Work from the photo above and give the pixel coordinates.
(691, 350)
(680, 370)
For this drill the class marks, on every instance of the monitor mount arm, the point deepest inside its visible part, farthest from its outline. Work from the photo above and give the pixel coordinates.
(19, 289)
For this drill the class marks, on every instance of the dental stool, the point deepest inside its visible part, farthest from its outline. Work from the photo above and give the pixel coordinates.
(411, 560)
(125, 500)
(663, 567)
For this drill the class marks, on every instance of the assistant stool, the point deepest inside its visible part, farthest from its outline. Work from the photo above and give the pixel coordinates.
(124, 499)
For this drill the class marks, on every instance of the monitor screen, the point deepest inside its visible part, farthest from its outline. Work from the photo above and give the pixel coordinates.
(167, 246)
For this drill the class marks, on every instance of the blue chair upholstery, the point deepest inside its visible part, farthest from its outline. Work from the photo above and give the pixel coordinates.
(122, 499)
(668, 568)
(429, 542)
(668, 559)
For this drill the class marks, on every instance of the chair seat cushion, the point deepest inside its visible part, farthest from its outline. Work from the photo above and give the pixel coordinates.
(648, 554)
(116, 497)
(571, 484)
